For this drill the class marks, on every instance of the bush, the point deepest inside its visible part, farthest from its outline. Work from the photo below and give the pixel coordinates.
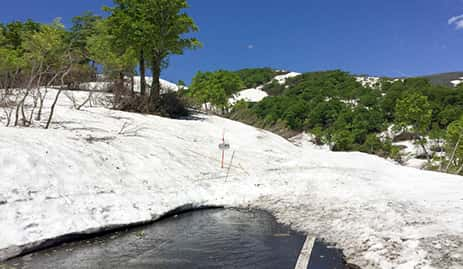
(173, 106)
(253, 77)
(169, 105)
(343, 141)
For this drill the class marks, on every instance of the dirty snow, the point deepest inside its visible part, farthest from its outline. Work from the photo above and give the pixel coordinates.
(100, 168)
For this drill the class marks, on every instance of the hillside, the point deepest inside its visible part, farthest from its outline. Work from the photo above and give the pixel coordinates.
(99, 168)
(451, 79)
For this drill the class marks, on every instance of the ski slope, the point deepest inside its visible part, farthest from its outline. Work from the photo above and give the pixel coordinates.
(98, 169)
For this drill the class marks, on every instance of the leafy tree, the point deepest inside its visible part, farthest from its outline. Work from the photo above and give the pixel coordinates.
(447, 115)
(415, 111)
(155, 29)
(274, 88)
(16, 32)
(215, 87)
(253, 77)
(372, 144)
(103, 49)
(343, 140)
(83, 28)
(454, 146)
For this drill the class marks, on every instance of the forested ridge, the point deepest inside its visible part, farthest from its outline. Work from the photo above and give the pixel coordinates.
(342, 113)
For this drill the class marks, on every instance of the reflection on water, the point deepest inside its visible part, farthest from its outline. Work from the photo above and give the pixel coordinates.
(201, 239)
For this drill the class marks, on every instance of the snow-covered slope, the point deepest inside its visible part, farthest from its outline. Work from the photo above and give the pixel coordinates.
(457, 82)
(373, 82)
(368, 81)
(282, 78)
(100, 168)
(249, 95)
(165, 85)
(101, 86)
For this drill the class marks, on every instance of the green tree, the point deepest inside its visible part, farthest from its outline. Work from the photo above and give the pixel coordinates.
(155, 29)
(343, 140)
(83, 28)
(454, 146)
(374, 145)
(413, 110)
(15, 33)
(253, 77)
(215, 87)
(116, 60)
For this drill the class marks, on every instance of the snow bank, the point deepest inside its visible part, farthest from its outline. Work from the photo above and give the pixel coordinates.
(370, 82)
(282, 78)
(100, 168)
(457, 82)
(103, 86)
(165, 85)
(249, 95)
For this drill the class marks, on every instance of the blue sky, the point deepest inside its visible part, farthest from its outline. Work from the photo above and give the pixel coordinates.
(391, 38)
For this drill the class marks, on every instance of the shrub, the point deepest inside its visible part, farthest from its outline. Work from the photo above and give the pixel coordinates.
(173, 106)
(169, 105)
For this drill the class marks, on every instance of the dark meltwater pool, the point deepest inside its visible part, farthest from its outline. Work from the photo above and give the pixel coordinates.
(215, 238)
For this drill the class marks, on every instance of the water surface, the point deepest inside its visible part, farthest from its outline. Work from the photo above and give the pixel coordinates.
(201, 239)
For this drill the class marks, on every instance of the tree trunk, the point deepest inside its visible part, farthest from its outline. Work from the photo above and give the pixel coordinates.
(41, 101)
(441, 158)
(460, 170)
(452, 157)
(52, 110)
(156, 86)
(132, 85)
(142, 74)
(428, 157)
(8, 82)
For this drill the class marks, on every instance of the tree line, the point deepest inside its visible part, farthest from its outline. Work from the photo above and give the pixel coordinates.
(134, 36)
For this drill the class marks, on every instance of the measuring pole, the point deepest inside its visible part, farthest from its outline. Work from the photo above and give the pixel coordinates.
(223, 149)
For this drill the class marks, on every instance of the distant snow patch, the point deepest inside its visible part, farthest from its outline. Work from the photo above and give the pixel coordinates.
(249, 95)
(457, 82)
(282, 78)
(166, 86)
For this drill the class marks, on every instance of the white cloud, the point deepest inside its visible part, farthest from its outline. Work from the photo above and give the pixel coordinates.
(457, 21)
(459, 24)
(250, 46)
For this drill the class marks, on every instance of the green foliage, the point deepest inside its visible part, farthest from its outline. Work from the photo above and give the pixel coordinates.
(15, 33)
(10, 60)
(12, 38)
(215, 87)
(273, 88)
(341, 112)
(154, 29)
(46, 46)
(372, 144)
(454, 146)
(343, 140)
(253, 77)
(83, 28)
(103, 49)
(413, 110)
